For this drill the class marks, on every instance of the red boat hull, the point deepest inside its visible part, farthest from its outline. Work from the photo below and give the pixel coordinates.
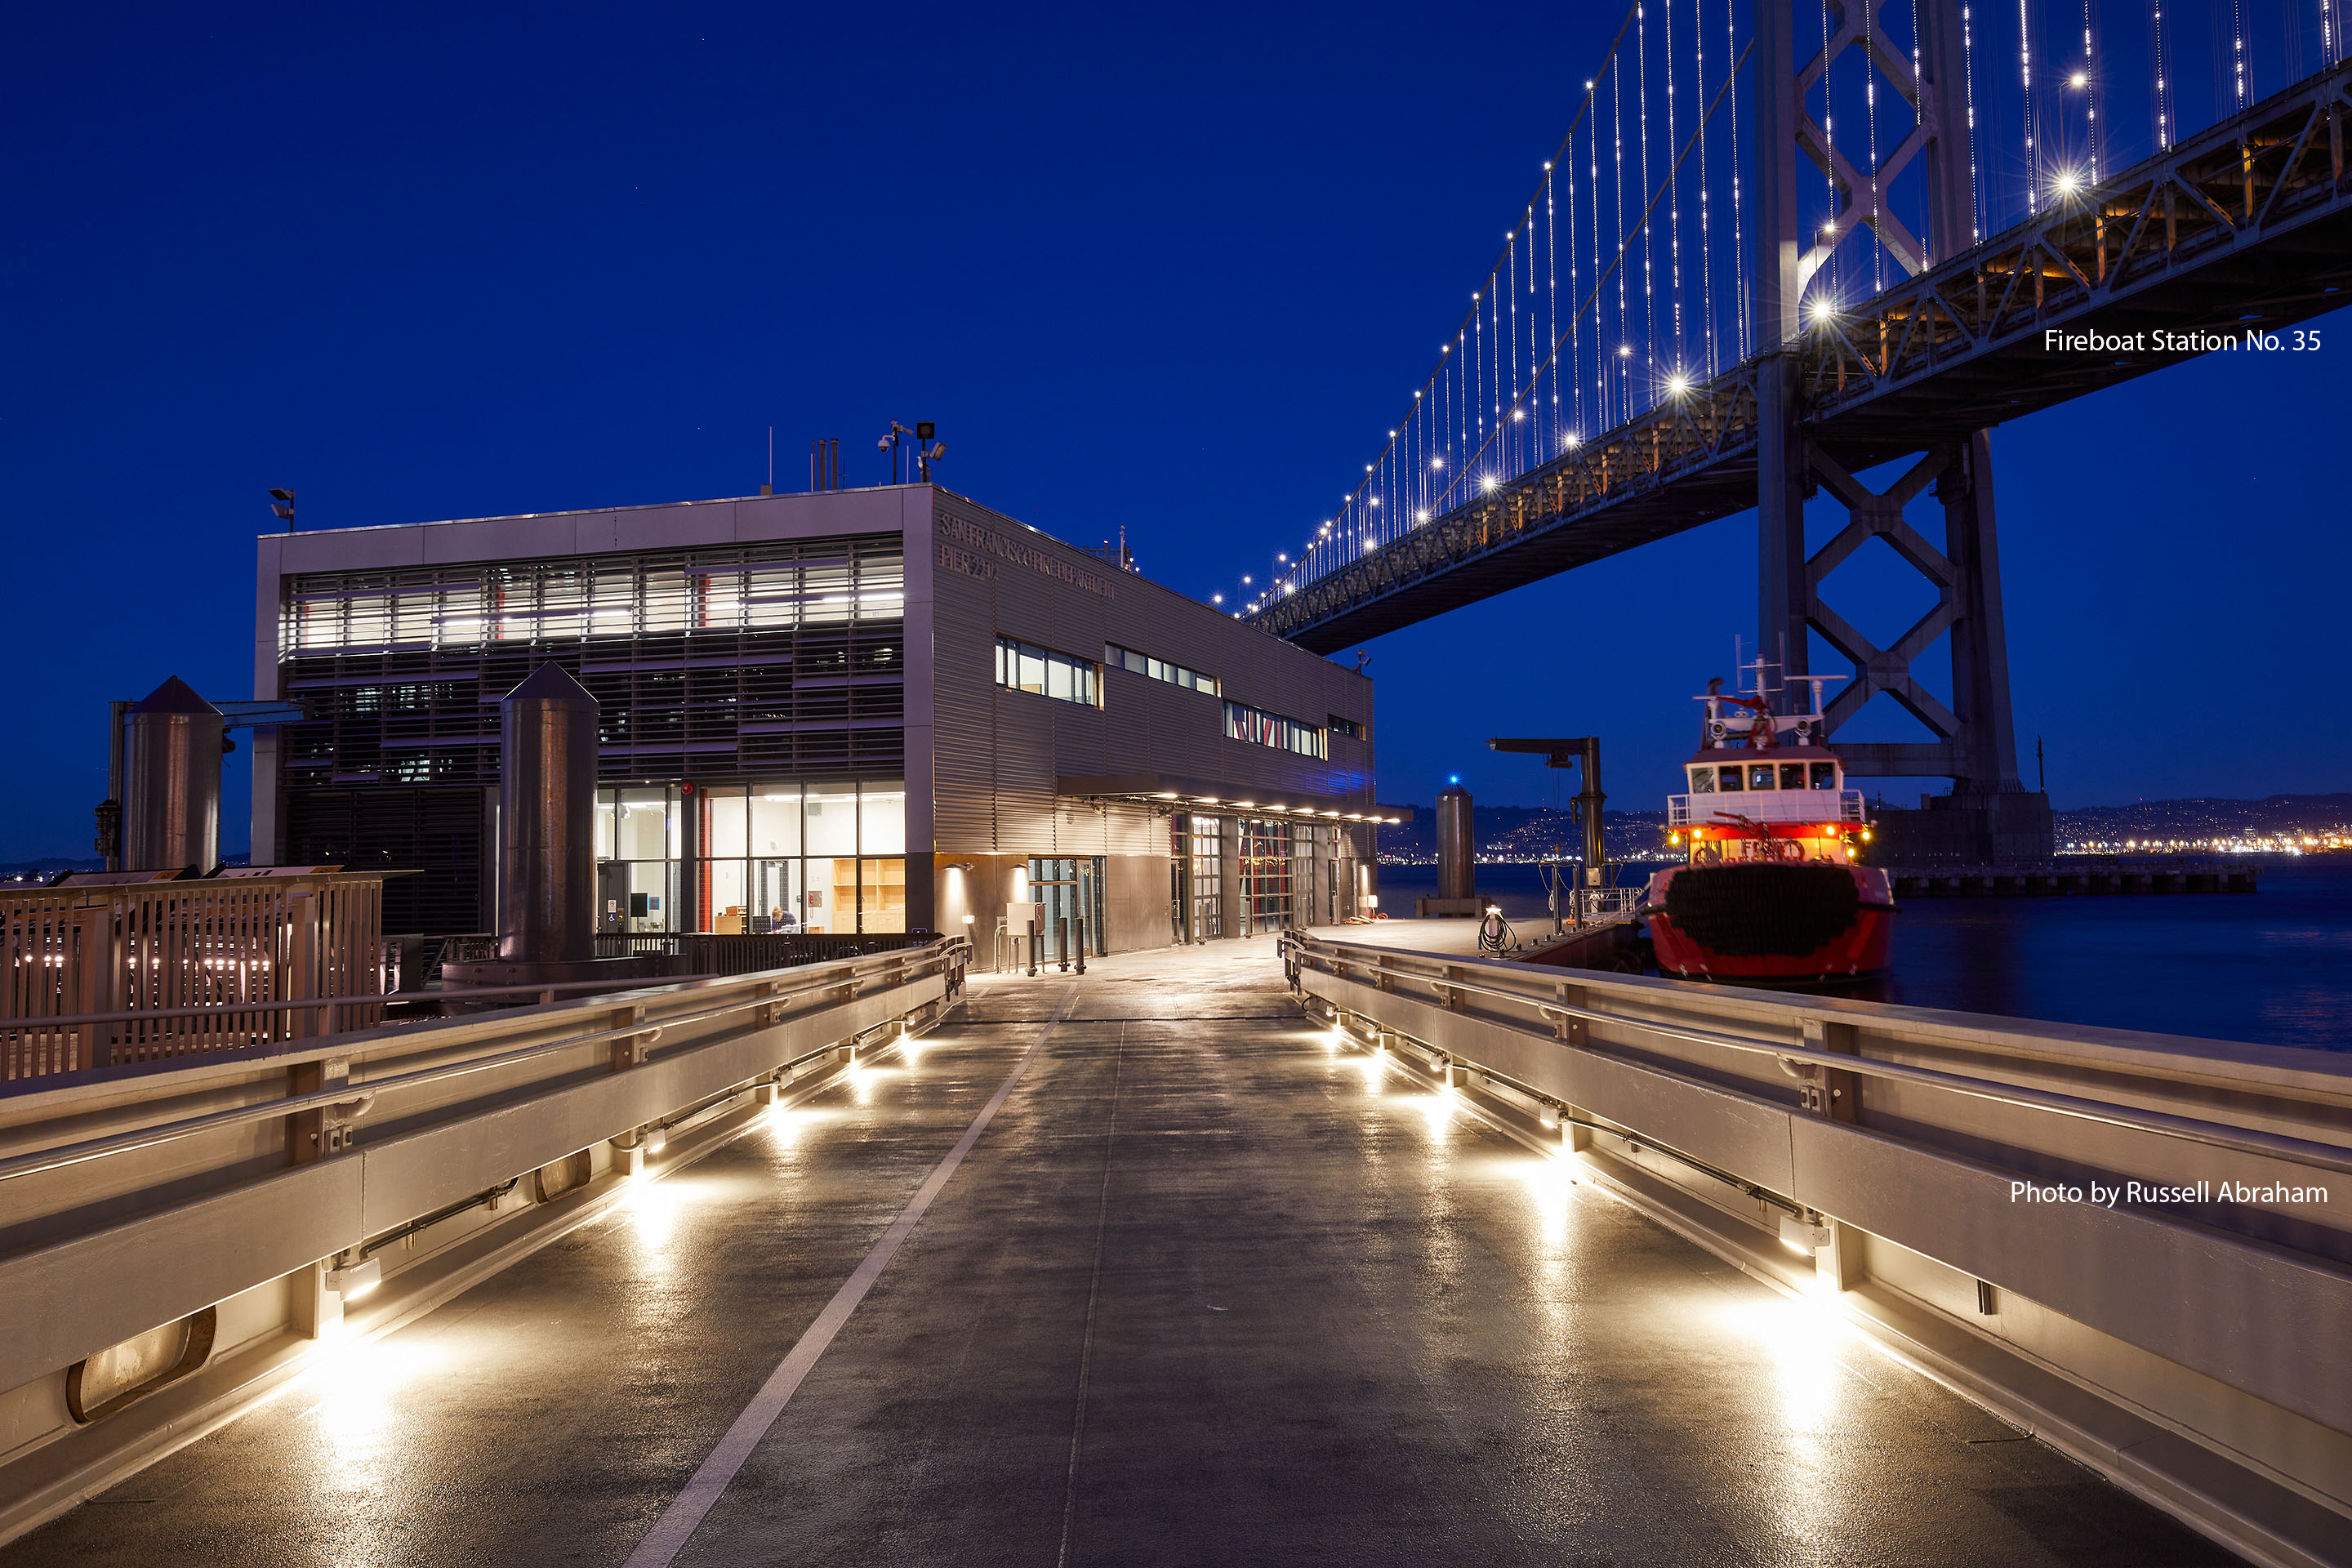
(1862, 948)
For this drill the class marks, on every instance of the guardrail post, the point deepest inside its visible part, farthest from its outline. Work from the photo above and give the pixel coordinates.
(299, 981)
(1456, 999)
(1568, 1029)
(1834, 1094)
(629, 1051)
(1839, 1265)
(312, 1135)
(93, 950)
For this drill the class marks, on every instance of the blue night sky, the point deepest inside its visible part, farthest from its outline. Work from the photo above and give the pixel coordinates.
(1170, 270)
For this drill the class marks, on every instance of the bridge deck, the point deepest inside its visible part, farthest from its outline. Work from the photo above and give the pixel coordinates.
(1202, 1291)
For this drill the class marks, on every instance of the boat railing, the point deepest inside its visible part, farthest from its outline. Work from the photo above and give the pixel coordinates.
(1601, 906)
(1764, 805)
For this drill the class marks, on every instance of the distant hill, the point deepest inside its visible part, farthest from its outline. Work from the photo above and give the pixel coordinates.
(2208, 817)
(1524, 832)
(41, 870)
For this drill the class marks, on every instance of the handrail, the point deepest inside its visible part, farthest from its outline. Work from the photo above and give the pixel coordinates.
(2300, 1150)
(16, 1023)
(942, 955)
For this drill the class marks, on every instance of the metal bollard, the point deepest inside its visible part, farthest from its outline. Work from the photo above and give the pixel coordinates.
(1032, 950)
(1082, 946)
(1061, 935)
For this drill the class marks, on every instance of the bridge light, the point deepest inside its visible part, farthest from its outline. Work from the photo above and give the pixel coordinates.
(1217, 598)
(1372, 501)
(1489, 482)
(1421, 515)
(1823, 311)
(1678, 383)
(2077, 79)
(1625, 351)
(1517, 414)
(2068, 182)
(1437, 462)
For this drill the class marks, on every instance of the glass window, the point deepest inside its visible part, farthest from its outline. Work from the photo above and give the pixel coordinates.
(1156, 668)
(605, 811)
(776, 820)
(776, 897)
(1760, 776)
(831, 897)
(1703, 779)
(882, 895)
(831, 821)
(882, 820)
(1792, 775)
(1260, 728)
(723, 822)
(723, 884)
(642, 829)
(1730, 777)
(1045, 673)
(1824, 775)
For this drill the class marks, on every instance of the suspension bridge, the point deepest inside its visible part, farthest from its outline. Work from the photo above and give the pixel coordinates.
(1784, 245)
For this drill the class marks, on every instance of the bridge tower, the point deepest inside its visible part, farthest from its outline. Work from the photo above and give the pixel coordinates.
(1989, 815)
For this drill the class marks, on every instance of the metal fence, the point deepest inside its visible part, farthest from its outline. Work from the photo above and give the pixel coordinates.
(704, 954)
(149, 971)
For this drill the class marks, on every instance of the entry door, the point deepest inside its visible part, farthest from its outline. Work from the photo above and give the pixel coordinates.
(1071, 890)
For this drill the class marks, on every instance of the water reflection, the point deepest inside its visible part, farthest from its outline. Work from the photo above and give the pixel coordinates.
(2267, 967)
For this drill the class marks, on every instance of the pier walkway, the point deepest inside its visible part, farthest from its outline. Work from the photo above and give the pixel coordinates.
(1134, 1268)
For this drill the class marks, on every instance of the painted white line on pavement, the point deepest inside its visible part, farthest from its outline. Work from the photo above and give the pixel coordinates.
(686, 1511)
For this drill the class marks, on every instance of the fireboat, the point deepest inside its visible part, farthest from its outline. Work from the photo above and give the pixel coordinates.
(1770, 894)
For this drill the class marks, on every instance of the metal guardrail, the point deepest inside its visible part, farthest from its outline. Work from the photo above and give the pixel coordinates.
(132, 1202)
(2164, 1225)
(748, 953)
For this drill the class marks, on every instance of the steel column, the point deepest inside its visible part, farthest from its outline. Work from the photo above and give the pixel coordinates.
(1779, 449)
